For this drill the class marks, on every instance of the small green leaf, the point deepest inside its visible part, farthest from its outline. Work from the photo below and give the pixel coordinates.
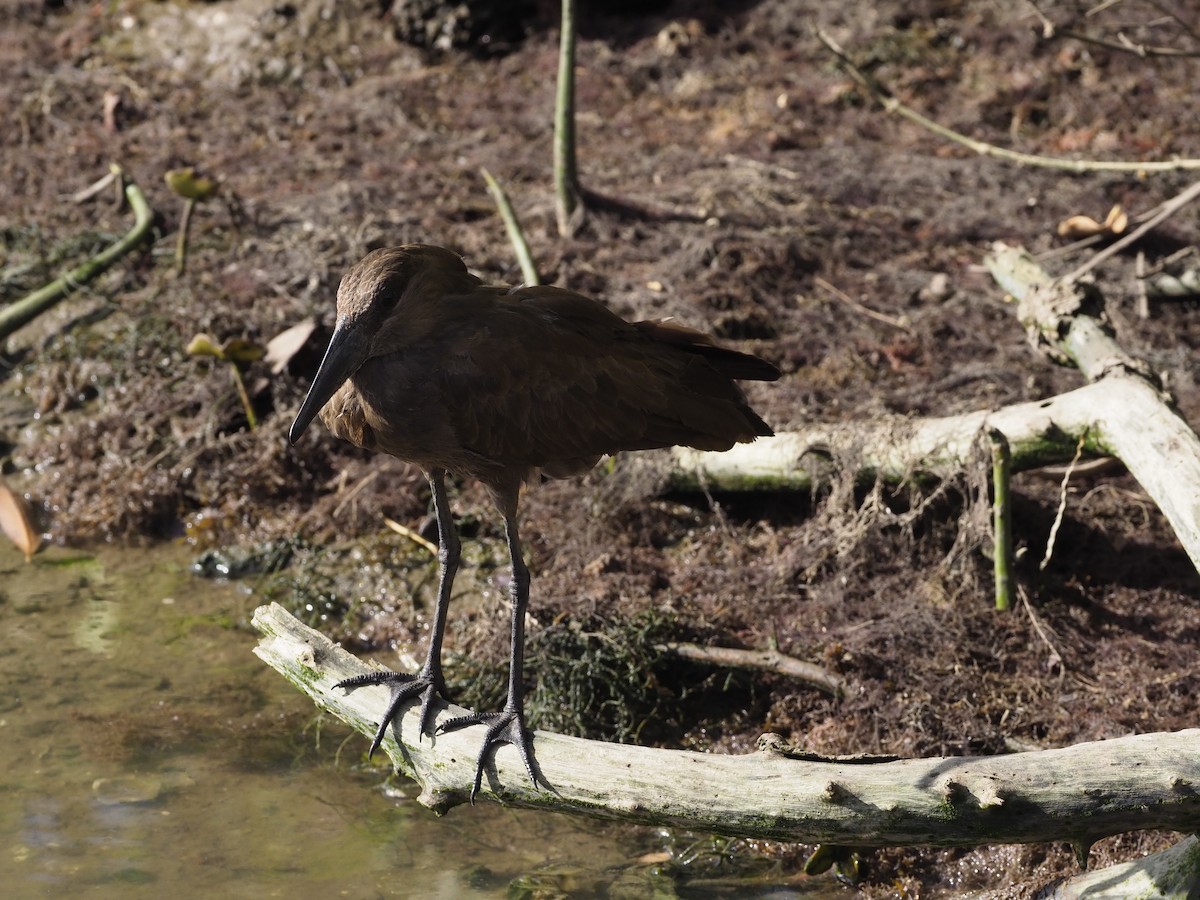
(188, 183)
(240, 350)
(202, 345)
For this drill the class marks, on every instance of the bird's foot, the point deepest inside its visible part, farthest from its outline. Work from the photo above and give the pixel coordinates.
(427, 683)
(504, 727)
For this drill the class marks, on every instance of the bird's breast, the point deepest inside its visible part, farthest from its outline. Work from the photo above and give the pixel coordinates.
(389, 407)
(346, 417)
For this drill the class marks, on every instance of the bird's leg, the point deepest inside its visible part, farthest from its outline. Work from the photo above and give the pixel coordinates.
(508, 725)
(429, 682)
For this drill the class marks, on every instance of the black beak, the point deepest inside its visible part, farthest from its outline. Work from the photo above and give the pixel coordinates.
(347, 351)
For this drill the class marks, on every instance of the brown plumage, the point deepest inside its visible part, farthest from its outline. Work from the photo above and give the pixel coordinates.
(432, 366)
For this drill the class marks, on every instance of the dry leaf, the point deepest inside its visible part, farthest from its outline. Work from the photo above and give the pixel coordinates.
(1116, 221)
(16, 521)
(1077, 227)
(286, 344)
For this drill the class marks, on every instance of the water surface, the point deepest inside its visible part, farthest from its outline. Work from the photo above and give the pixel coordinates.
(145, 751)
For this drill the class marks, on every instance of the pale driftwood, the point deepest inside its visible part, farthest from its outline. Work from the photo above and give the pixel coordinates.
(1172, 873)
(1136, 423)
(1122, 414)
(1077, 794)
(892, 449)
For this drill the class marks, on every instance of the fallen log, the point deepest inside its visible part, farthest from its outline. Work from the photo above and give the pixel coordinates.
(1077, 794)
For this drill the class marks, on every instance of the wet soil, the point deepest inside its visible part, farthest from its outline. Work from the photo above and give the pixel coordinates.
(754, 189)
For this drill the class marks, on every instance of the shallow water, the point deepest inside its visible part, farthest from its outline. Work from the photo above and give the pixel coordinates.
(146, 752)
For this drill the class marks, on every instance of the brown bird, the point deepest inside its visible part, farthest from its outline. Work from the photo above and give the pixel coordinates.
(430, 365)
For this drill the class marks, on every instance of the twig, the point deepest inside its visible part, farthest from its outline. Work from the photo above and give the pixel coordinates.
(1124, 45)
(89, 192)
(1092, 468)
(1056, 658)
(764, 660)
(417, 539)
(1062, 504)
(732, 159)
(896, 322)
(1179, 20)
(1002, 562)
(1050, 30)
(892, 105)
(1166, 262)
(355, 491)
(516, 234)
(1167, 210)
(28, 308)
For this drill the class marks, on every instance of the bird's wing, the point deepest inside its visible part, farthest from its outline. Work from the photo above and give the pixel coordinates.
(547, 377)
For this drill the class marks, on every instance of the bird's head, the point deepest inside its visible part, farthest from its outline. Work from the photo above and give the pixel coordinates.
(370, 301)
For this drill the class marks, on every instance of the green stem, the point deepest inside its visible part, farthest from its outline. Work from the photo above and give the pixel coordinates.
(1002, 514)
(245, 398)
(185, 223)
(516, 234)
(29, 307)
(566, 176)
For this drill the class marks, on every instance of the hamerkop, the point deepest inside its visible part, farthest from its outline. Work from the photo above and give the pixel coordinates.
(430, 365)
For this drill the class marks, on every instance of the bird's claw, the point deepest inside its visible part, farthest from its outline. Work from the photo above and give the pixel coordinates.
(504, 727)
(403, 688)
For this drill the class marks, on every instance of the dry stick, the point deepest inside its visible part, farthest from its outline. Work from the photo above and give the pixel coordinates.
(89, 192)
(516, 235)
(28, 308)
(1056, 658)
(566, 174)
(1091, 240)
(1050, 30)
(355, 491)
(896, 322)
(761, 660)
(1165, 211)
(1125, 45)
(1062, 504)
(892, 105)
(418, 539)
(1002, 517)
(1180, 20)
